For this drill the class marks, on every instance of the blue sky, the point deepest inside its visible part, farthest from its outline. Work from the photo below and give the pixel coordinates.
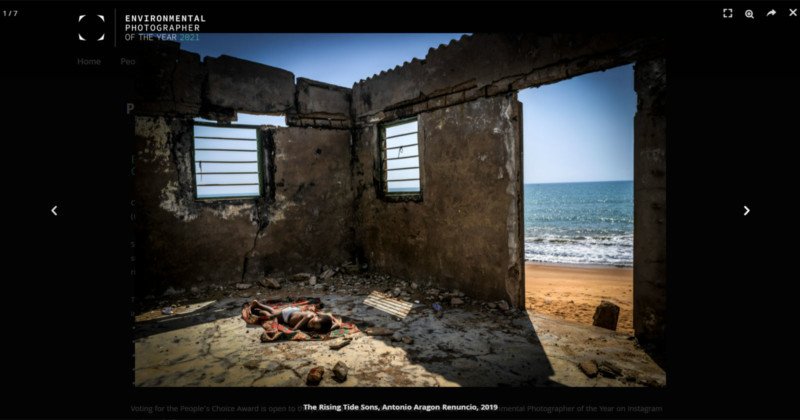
(580, 129)
(576, 130)
(340, 59)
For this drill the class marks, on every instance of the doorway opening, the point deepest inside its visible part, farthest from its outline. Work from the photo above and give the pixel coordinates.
(578, 196)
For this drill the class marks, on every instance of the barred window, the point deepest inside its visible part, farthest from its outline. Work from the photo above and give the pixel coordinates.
(227, 161)
(400, 158)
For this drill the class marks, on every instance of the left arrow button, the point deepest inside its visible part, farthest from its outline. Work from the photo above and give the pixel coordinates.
(53, 210)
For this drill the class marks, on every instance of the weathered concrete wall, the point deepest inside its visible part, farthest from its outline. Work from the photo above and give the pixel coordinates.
(465, 232)
(173, 82)
(181, 242)
(168, 81)
(650, 209)
(247, 86)
(304, 221)
(311, 217)
(327, 104)
(491, 64)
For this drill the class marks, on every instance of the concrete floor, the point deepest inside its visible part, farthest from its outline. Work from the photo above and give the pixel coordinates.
(208, 344)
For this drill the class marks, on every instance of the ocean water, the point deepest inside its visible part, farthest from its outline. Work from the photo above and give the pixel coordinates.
(580, 223)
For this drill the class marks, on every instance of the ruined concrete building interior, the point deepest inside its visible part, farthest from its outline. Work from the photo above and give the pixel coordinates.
(432, 275)
(341, 209)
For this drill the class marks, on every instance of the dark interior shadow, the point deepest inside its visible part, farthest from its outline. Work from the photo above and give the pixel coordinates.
(657, 352)
(219, 309)
(224, 308)
(474, 356)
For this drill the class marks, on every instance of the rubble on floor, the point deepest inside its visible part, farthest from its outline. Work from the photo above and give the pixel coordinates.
(589, 368)
(315, 375)
(270, 283)
(474, 343)
(344, 279)
(606, 315)
(340, 372)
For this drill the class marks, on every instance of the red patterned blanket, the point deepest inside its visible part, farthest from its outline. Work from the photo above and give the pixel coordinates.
(275, 331)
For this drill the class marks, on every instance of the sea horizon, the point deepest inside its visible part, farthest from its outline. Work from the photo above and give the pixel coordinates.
(576, 182)
(579, 223)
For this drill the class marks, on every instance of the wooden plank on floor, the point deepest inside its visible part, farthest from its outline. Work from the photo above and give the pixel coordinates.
(388, 304)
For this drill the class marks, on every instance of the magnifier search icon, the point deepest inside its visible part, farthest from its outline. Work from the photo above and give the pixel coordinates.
(749, 14)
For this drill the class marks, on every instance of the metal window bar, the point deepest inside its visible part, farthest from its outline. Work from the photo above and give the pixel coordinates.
(400, 135)
(226, 185)
(401, 146)
(404, 179)
(404, 157)
(225, 161)
(201, 149)
(400, 169)
(224, 138)
(226, 173)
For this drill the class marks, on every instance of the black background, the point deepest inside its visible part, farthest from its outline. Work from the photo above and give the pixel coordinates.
(732, 124)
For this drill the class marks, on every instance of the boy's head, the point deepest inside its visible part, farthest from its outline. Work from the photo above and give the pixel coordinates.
(321, 322)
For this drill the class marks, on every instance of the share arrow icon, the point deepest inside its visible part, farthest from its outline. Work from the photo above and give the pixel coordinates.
(746, 210)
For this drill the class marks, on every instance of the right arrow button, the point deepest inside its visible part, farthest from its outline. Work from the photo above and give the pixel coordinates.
(746, 210)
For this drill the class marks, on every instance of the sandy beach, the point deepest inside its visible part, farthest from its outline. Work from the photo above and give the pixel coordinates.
(573, 292)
